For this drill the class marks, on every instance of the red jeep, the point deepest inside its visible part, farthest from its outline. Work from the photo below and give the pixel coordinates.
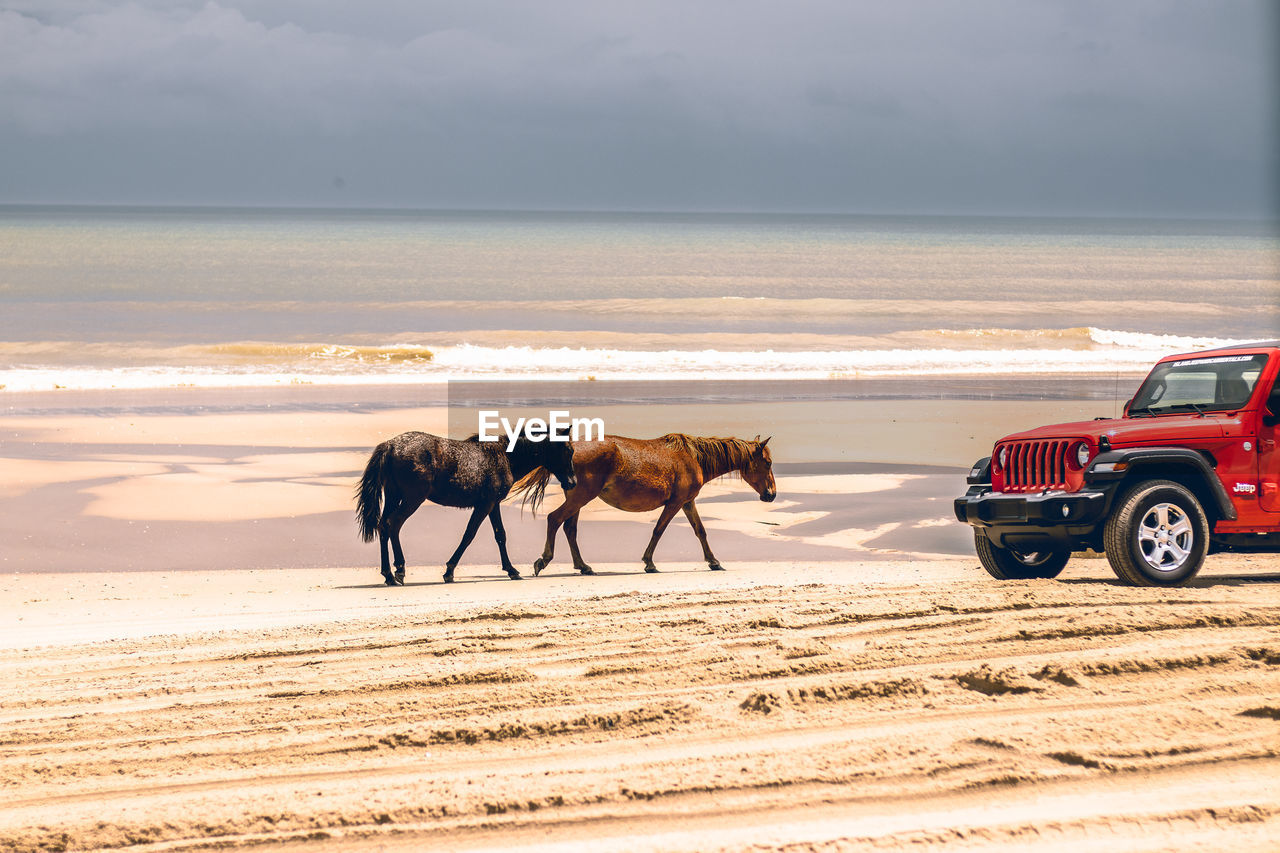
(1189, 469)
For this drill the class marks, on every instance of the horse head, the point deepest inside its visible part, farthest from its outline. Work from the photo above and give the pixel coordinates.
(757, 470)
(559, 461)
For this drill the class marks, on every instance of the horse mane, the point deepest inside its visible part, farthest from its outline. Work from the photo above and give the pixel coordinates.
(711, 452)
(500, 444)
(532, 486)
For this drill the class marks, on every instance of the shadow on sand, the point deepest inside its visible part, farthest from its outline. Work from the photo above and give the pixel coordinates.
(568, 572)
(1200, 582)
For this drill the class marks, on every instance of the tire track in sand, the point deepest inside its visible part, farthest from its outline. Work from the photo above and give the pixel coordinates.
(614, 709)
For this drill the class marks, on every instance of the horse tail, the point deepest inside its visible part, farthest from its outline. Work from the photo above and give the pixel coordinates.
(369, 492)
(533, 486)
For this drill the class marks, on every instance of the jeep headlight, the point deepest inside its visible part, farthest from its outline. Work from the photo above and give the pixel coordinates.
(1082, 453)
(1003, 456)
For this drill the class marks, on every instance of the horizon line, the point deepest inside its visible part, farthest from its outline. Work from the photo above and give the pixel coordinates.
(586, 211)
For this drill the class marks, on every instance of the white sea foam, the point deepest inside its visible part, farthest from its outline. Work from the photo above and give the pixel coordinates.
(1108, 352)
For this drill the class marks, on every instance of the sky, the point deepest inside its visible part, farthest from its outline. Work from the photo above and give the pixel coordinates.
(987, 107)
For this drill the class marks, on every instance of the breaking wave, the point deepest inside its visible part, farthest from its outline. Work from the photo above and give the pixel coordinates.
(975, 352)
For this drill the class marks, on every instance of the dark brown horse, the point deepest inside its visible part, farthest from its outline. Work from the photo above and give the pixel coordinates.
(417, 466)
(638, 475)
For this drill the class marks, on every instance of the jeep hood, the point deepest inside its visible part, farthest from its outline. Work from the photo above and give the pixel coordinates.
(1124, 432)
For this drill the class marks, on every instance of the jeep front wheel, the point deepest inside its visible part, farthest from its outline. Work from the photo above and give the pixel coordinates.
(1006, 564)
(1157, 535)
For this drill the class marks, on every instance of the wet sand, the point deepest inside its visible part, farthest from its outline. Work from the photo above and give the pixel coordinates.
(198, 652)
(198, 480)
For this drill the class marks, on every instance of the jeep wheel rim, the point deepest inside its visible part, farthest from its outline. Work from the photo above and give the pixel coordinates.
(1166, 537)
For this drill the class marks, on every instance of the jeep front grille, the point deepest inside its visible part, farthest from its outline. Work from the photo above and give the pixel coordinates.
(1036, 465)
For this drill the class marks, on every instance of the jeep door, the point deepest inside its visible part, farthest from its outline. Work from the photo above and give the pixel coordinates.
(1268, 458)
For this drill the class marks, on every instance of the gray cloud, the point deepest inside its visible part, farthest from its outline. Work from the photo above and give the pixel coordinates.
(1163, 108)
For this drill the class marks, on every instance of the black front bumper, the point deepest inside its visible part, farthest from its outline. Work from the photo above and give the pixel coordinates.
(1022, 520)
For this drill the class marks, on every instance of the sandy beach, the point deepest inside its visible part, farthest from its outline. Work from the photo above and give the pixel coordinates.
(198, 652)
(245, 243)
(777, 706)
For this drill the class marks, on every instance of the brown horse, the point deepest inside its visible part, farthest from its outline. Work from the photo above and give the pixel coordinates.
(638, 475)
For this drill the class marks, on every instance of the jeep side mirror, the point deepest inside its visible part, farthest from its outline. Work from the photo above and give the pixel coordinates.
(1271, 417)
(1272, 414)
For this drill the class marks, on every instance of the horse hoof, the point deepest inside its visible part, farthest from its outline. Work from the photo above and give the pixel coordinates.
(716, 567)
(448, 578)
(651, 569)
(389, 581)
(586, 570)
(538, 565)
(515, 576)
(400, 578)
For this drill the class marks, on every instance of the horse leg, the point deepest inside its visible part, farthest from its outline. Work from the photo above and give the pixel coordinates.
(592, 477)
(384, 537)
(473, 524)
(571, 533)
(500, 536)
(398, 551)
(393, 521)
(554, 519)
(691, 512)
(668, 512)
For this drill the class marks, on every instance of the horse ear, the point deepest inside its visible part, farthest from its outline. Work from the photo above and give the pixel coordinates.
(766, 441)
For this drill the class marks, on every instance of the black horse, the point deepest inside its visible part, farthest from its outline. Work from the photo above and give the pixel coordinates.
(417, 466)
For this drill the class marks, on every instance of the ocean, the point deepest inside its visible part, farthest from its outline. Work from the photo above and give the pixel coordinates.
(102, 297)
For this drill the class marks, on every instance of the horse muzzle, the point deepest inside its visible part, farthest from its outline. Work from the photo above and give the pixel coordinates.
(768, 497)
(568, 483)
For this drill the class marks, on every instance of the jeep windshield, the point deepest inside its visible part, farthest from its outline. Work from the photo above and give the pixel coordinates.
(1213, 384)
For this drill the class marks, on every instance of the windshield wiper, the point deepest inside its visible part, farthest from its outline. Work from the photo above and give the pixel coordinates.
(1198, 407)
(1152, 411)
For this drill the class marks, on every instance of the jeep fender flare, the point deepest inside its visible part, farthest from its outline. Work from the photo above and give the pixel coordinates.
(1162, 462)
(980, 473)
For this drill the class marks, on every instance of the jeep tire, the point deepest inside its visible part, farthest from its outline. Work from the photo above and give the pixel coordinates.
(1006, 564)
(1157, 535)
